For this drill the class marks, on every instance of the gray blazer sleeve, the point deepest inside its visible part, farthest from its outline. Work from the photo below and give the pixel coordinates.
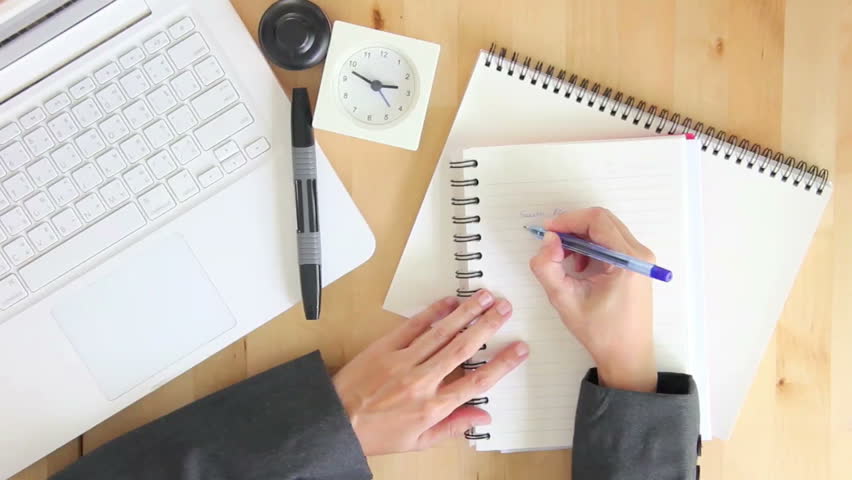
(286, 423)
(631, 435)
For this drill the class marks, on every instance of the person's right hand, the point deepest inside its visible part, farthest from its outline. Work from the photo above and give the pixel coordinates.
(608, 309)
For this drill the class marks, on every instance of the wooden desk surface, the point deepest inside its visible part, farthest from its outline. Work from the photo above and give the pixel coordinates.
(778, 72)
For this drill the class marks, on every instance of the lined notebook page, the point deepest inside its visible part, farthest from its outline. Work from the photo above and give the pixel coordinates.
(653, 186)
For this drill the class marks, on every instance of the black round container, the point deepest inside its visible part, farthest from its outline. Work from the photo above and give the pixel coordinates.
(294, 34)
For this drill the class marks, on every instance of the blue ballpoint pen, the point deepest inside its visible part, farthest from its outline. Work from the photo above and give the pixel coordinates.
(591, 250)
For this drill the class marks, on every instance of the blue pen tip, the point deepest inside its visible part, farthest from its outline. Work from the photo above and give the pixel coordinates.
(659, 273)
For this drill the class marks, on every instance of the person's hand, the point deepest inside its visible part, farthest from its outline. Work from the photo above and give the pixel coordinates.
(608, 309)
(395, 391)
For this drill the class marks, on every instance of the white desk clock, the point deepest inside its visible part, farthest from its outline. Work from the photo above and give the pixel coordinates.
(376, 85)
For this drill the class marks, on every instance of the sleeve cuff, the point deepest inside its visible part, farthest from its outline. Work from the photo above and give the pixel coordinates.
(634, 435)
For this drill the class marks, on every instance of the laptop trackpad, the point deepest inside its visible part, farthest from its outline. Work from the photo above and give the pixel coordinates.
(153, 310)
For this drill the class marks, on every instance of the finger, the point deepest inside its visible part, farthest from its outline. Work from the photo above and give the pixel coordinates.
(454, 426)
(628, 235)
(484, 378)
(547, 264)
(444, 330)
(467, 343)
(580, 263)
(596, 224)
(412, 328)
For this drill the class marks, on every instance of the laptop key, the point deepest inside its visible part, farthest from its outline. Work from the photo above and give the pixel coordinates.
(185, 85)
(188, 51)
(215, 100)
(9, 132)
(67, 222)
(158, 69)
(15, 221)
(63, 127)
(157, 42)
(85, 245)
(138, 114)
(82, 88)
(156, 201)
(19, 250)
(185, 150)
(14, 156)
(11, 291)
(107, 73)
(30, 120)
(63, 191)
(209, 70)
(42, 172)
(181, 28)
(131, 58)
(39, 141)
(57, 103)
(224, 126)
(43, 237)
(183, 185)
(66, 157)
(87, 112)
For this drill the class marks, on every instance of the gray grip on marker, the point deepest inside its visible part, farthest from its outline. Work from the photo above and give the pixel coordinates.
(309, 248)
(304, 170)
(304, 163)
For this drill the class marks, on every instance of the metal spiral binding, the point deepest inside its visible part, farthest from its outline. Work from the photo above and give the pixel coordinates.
(466, 220)
(663, 122)
(466, 257)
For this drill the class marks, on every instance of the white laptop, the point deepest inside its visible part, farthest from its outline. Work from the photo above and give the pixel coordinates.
(146, 206)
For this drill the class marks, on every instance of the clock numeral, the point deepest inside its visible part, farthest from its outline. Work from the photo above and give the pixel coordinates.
(398, 61)
(353, 63)
(345, 94)
(400, 108)
(354, 108)
(408, 93)
(386, 116)
(345, 78)
(384, 53)
(369, 118)
(407, 76)
(367, 54)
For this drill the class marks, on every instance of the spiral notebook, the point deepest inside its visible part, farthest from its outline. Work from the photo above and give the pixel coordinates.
(653, 184)
(761, 208)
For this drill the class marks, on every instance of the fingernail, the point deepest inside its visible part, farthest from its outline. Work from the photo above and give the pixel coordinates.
(503, 307)
(522, 349)
(484, 298)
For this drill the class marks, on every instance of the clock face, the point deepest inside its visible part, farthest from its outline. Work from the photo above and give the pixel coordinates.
(377, 85)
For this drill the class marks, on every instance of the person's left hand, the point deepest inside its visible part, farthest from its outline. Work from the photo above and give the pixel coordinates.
(395, 391)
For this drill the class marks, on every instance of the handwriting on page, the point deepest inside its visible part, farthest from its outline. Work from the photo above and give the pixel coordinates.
(555, 212)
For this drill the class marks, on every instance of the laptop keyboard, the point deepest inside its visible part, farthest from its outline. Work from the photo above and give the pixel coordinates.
(112, 152)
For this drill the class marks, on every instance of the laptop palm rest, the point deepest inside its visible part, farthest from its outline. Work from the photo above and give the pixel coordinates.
(148, 313)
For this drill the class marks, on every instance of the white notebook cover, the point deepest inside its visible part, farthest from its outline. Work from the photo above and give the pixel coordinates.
(654, 186)
(757, 227)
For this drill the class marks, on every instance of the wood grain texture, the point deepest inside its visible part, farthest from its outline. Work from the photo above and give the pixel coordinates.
(777, 72)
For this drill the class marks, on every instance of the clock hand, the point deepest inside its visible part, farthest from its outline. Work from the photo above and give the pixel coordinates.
(385, 99)
(390, 86)
(362, 77)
